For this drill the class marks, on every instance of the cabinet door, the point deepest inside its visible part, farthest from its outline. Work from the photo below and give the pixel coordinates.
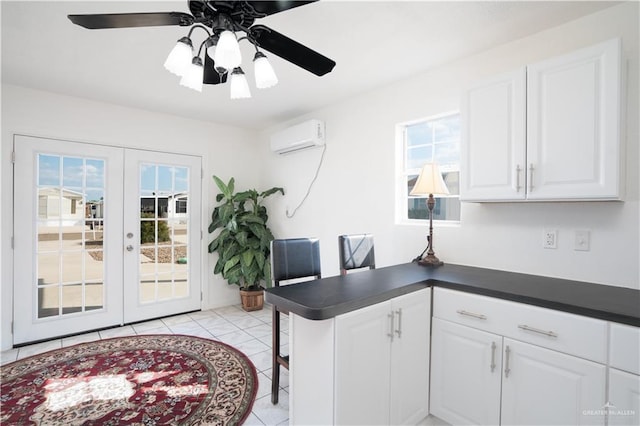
(465, 374)
(573, 129)
(544, 387)
(624, 398)
(363, 357)
(493, 139)
(410, 357)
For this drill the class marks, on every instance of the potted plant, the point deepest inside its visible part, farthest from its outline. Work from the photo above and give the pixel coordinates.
(243, 243)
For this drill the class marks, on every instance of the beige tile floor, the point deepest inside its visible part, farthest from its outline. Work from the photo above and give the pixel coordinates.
(250, 332)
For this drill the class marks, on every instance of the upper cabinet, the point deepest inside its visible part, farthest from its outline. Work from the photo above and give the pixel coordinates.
(547, 131)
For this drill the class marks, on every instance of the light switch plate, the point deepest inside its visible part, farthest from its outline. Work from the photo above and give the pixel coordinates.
(582, 240)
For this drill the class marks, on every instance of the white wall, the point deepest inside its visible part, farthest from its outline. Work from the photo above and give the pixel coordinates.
(355, 188)
(226, 151)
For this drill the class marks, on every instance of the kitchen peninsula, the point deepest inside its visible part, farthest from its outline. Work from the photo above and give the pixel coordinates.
(374, 322)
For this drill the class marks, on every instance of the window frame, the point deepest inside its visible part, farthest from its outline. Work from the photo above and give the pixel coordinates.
(402, 195)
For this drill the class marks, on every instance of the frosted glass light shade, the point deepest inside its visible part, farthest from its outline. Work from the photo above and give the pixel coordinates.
(264, 74)
(227, 53)
(179, 58)
(430, 181)
(194, 75)
(239, 85)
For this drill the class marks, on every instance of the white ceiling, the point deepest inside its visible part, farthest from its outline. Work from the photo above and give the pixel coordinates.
(42, 49)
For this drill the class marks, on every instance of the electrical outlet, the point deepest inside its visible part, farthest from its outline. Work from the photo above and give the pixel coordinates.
(582, 240)
(550, 239)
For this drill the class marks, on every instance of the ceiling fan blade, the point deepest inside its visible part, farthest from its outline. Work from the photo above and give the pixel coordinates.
(271, 7)
(211, 76)
(127, 20)
(291, 50)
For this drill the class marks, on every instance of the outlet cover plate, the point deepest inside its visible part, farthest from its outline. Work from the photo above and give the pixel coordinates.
(550, 239)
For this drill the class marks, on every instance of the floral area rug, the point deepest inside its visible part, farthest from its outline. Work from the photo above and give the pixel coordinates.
(138, 380)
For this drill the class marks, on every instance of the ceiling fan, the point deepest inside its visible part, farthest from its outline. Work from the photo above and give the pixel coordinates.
(222, 21)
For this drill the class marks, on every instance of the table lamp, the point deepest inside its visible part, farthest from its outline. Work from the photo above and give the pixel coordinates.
(430, 182)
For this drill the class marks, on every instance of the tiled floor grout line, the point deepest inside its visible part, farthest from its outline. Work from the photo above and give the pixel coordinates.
(257, 347)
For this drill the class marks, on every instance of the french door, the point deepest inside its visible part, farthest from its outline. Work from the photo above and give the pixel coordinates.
(102, 236)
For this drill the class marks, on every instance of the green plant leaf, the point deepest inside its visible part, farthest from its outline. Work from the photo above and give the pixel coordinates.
(247, 258)
(222, 186)
(271, 191)
(230, 263)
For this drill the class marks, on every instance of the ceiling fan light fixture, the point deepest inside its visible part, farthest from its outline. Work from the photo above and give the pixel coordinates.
(179, 58)
(239, 85)
(264, 74)
(227, 53)
(194, 75)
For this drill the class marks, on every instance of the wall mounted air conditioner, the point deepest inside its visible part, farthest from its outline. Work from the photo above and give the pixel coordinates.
(301, 136)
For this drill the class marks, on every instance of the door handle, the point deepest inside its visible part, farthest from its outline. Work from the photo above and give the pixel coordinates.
(531, 177)
(399, 329)
(471, 314)
(390, 334)
(518, 170)
(129, 247)
(537, 330)
(493, 356)
(507, 370)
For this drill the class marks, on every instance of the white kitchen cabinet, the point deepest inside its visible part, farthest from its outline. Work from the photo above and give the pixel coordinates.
(465, 374)
(493, 154)
(545, 387)
(624, 375)
(572, 146)
(542, 378)
(369, 366)
(382, 362)
(624, 398)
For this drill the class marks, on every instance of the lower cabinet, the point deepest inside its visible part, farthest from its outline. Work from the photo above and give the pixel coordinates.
(366, 367)
(624, 398)
(382, 362)
(481, 375)
(465, 374)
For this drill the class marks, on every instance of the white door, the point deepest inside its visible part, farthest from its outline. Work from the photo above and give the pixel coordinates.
(493, 139)
(70, 269)
(624, 398)
(161, 234)
(410, 358)
(465, 374)
(573, 130)
(544, 387)
(362, 366)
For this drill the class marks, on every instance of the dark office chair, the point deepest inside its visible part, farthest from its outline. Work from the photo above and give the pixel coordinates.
(290, 259)
(356, 251)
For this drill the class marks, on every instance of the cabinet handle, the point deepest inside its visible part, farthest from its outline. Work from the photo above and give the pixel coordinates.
(507, 370)
(471, 314)
(537, 330)
(399, 329)
(493, 356)
(390, 334)
(518, 170)
(531, 177)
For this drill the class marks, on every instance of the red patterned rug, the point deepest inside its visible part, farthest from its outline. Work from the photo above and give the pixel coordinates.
(144, 380)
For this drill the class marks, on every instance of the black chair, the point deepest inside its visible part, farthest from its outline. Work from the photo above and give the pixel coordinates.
(292, 258)
(356, 251)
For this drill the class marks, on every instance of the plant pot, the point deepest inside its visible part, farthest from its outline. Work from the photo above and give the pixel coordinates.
(252, 300)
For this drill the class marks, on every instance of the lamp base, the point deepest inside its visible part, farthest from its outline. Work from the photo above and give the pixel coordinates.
(430, 260)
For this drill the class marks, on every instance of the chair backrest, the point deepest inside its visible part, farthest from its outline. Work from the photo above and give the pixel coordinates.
(295, 258)
(356, 251)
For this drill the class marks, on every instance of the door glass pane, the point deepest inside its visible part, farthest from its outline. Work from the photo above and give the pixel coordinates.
(70, 224)
(164, 219)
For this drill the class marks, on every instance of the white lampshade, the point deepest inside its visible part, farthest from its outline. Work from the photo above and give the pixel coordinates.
(239, 85)
(194, 75)
(179, 58)
(227, 53)
(264, 74)
(430, 181)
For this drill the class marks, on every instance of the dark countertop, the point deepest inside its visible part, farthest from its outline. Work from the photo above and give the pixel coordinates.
(332, 296)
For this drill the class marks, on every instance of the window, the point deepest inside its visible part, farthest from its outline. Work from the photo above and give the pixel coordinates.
(181, 205)
(435, 139)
